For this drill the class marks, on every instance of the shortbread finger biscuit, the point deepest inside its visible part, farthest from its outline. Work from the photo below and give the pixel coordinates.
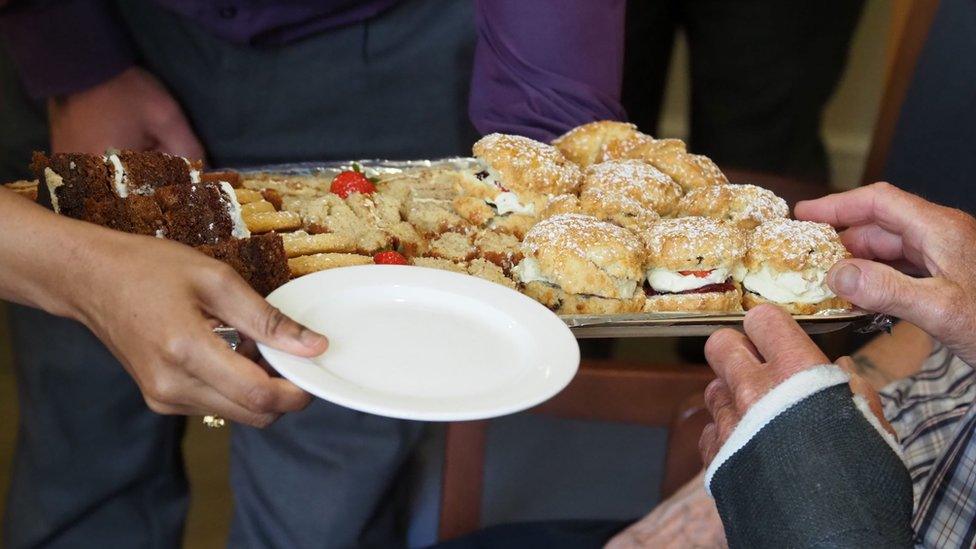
(301, 243)
(259, 206)
(26, 189)
(263, 222)
(307, 264)
(245, 196)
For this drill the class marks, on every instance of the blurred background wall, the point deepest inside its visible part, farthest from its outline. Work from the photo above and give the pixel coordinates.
(847, 131)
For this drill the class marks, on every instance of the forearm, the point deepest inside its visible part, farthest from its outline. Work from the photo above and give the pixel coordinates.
(890, 357)
(46, 260)
(816, 474)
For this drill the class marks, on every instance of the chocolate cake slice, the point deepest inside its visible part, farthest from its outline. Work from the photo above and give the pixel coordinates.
(195, 214)
(136, 214)
(67, 180)
(144, 172)
(260, 260)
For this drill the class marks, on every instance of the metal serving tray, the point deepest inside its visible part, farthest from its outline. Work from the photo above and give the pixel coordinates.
(601, 326)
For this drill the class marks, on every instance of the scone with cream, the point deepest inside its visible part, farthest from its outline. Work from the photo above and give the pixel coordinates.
(516, 178)
(641, 146)
(587, 144)
(630, 193)
(577, 264)
(787, 265)
(690, 265)
(745, 206)
(561, 204)
(671, 157)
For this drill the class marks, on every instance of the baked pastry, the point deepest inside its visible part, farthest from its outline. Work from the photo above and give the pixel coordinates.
(745, 206)
(457, 247)
(441, 264)
(641, 146)
(501, 249)
(518, 174)
(570, 258)
(487, 270)
(670, 156)
(690, 265)
(561, 204)
(630, 193)
(787, 264)
(27, 189)
(308, 264)
(587, 144)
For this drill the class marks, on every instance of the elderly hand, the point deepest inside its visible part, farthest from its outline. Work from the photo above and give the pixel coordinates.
(892, 232)
(749, 365)
(131, 111)
(686, 519)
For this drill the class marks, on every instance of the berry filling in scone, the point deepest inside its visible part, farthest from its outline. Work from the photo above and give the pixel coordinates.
(667, 282)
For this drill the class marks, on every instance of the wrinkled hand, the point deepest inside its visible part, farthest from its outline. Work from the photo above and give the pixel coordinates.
(687, 519)
(131, 111)
(891, 233)
(158, 324)
(749, 365)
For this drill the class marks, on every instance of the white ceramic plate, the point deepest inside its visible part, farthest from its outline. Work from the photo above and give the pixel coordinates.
(424, 344)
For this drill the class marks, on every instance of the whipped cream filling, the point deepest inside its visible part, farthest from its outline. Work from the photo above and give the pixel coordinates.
(809, 286)
(528, 271)
(508, 202)
(121, 188)
(194, 174)
(53, 182)
(234, 210)
(505, 202)
(672, 282)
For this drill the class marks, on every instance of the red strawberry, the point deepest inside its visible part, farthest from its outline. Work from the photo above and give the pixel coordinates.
(390, 258)
(699, 274)
(347, 183)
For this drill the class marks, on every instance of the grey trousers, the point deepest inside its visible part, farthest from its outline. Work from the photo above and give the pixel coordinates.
(93, 465)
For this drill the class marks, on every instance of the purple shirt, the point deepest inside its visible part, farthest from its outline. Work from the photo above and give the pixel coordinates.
(541, 66)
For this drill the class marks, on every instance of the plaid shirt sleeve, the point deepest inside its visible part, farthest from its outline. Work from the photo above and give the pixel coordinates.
(934, 414)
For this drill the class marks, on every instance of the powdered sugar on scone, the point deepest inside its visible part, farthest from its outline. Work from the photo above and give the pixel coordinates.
(790, 245)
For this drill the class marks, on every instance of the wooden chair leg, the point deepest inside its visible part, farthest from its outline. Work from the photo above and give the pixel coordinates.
(462, 479)
(682, 461)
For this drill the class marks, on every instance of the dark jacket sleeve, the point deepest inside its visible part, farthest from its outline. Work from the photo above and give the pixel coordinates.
(817, 475)
(542, 67)
(61, 47)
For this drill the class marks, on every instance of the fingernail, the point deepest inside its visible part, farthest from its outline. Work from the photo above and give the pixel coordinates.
(846, 279)
(310, 338)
